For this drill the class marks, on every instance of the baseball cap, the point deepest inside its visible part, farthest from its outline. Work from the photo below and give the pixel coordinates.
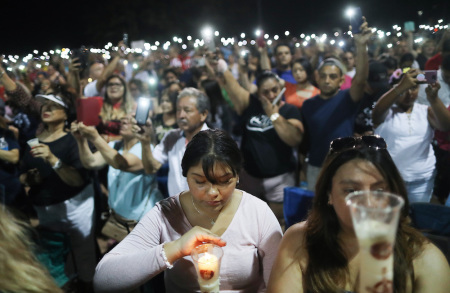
(333, 61)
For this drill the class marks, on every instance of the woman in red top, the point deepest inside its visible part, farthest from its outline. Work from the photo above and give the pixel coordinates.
(296, 94)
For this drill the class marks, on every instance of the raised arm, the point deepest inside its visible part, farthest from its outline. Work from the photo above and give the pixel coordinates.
(126, 162)
(18, 96)
(440, 114)
(73, 78)
(109, 69)
(151, 165)
(362, 62)
(389, 98)
(88, 159)
(264, 60)
(239, 96)
(289, 130)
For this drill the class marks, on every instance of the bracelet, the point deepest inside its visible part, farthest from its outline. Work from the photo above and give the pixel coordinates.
(166, 261)
(2, 73)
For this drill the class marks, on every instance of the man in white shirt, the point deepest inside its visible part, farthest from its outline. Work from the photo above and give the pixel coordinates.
(192, 111)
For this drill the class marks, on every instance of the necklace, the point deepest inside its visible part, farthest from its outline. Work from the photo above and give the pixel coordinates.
(211, 219)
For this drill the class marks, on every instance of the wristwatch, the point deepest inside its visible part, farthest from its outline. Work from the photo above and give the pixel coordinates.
(274, 116)
(57, 165)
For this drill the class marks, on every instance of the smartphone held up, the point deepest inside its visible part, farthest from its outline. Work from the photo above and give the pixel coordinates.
(356, 19)
(144, 106)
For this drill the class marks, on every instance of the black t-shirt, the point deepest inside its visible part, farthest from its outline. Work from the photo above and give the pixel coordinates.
(363, 120)
(53, 189)
(265, 154)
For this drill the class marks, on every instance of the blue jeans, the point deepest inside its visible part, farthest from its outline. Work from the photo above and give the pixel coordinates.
(420, 190)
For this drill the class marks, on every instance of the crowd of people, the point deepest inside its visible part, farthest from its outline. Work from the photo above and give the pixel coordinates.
(227, 130)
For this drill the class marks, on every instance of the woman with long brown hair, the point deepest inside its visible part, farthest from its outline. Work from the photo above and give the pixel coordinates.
(322, 254)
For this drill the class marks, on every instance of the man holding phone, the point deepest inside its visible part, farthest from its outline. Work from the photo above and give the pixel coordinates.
(331, 114)
(192, 111)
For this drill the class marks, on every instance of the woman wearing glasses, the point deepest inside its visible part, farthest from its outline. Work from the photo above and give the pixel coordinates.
(322, 253)
(408, 129)
(117, 104)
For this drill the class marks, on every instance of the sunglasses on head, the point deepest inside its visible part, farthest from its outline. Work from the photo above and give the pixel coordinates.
(345, 143)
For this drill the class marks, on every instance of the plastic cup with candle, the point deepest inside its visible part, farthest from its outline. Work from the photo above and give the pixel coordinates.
(207, 259)
(34, 142)
(375, 216)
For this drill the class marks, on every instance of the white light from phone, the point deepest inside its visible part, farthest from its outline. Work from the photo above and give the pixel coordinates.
(152, 81)
(144, 102)
(350, 12)
(207, 32)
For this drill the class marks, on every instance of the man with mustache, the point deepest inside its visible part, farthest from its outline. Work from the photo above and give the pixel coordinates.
(192, 111)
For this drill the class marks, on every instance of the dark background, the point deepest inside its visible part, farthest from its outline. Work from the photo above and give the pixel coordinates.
(46, 25)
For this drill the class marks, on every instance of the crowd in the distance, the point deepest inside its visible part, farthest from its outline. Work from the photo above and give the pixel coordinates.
(227, 130)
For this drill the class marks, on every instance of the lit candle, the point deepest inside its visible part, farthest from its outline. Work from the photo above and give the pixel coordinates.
(208, 271)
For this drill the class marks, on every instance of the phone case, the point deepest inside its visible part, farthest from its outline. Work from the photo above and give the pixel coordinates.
(88, 110)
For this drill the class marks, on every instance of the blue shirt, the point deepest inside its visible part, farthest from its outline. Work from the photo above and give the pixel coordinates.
(286, 75)
(325, 120)
(132, 194)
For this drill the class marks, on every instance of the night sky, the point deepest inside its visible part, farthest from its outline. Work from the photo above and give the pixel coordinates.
(46, 25)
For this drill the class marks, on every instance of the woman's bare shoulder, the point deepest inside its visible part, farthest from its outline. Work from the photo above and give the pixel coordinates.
(431, 270)
(294, 238)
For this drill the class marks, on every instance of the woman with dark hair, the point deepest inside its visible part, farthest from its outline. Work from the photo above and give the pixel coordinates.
(221, 114)
(303, 72)
(137, 89)
(408, 128)
(212, 211)
(59, 187)
(322, 254)
(167, 120)
(117, 103)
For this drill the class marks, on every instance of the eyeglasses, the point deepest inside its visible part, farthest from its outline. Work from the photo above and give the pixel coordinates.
(114, 84)
(344, 143)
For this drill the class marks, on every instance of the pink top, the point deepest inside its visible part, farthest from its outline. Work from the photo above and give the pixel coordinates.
(252, 240)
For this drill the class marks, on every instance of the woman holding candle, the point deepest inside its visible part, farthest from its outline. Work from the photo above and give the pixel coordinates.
(322, 253)
(212, 211)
